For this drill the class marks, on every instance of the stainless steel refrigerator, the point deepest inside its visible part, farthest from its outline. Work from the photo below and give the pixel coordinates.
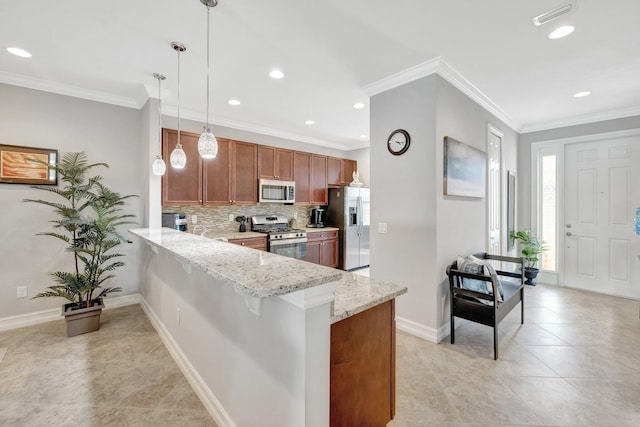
(349, 209)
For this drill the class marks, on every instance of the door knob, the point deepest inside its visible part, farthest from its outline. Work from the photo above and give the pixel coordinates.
(569, 233)
(568, 225)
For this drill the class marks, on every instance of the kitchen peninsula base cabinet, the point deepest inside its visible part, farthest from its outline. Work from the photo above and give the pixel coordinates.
(363, 368)
(270, 341)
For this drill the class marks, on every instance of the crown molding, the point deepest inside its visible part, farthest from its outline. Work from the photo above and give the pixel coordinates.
(582, 120)
(68, 90)
(441, 67)
(250, 127)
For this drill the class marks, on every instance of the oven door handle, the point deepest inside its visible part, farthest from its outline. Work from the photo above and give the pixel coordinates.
(281, 242)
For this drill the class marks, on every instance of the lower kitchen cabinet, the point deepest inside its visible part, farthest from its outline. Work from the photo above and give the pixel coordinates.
(322, 248)
(259, 243)
(363, 366)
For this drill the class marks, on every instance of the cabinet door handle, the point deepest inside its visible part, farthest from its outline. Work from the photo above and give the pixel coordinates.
(242, 243)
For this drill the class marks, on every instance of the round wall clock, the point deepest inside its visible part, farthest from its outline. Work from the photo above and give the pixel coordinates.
(398, 142)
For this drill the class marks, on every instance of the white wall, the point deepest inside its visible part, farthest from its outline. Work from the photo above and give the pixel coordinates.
(426, 230)
(403, 195)
(108, 134)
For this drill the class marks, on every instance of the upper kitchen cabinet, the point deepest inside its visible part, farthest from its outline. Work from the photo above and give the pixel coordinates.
(319, 180)
(302, 177)
(231, 178)
(275, 163)
(340, 171)
(182, 186)
(310, 175)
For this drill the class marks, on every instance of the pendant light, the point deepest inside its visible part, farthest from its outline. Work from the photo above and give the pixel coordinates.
(207, 143)
(159, 167)
(178, 157)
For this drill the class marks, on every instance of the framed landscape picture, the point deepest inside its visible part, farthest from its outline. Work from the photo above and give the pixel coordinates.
(27, 165)
(464, 169)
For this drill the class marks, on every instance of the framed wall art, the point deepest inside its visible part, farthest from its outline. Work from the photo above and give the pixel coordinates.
(464, 169)
(27, 165)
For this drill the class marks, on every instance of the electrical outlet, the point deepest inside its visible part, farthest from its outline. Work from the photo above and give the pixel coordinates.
(21, 292)
(231, 217)
(382, 227)
(194, 219)
(178, 315)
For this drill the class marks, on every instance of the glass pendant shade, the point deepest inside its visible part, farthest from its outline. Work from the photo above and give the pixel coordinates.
(158, 167)
(178, 157)
(207, 145)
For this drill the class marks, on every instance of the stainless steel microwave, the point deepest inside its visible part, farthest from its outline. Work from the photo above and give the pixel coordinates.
(274, 191)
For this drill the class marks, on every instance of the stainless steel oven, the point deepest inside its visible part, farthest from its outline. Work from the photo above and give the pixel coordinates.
(292, 248)
(281, 239)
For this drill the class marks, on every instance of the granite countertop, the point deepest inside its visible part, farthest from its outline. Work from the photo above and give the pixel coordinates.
(230, 235)
(314, 230)
(356, 293)
(251, 272)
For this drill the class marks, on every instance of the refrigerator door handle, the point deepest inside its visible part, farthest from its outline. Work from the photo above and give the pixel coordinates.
(360, 212)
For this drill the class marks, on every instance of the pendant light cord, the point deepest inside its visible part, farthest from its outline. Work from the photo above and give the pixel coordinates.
(208, 66)
(160, 115)
(178, 98)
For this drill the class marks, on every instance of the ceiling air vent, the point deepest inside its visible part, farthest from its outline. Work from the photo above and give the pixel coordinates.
(552, 14)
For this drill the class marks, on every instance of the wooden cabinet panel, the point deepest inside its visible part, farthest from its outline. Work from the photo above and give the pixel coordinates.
(181, 186)
(362, 378)
(275, 163)
(322, 248)
(318, 180)
(340, 171)
(348, 168)
(244, 178)
(217, 176)
(259, 243)
(334, 171)
(302, 177)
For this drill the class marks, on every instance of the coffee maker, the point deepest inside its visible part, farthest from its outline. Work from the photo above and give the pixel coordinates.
(316, 218)
(175, 220)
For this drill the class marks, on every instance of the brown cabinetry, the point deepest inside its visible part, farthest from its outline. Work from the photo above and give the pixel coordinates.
(340, 171)
(259, 243)
(310, 175)
(322, 248)
(362, 378)
(318, 192)
(275, 163)
(182, 186)
(230, 178)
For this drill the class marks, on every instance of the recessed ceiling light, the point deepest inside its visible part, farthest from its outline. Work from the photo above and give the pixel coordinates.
(560, 32)
(19, 52)
(582, 94)
(234, 102)
(358, 105)
(309, 122)
(363, 136)
(276, 74)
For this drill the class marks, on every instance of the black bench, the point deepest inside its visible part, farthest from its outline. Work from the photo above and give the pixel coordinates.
(466, 303)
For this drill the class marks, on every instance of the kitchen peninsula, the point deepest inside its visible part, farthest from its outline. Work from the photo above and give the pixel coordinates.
(269, 340)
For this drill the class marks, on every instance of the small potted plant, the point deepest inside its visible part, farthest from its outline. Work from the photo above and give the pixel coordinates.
(531, 248)
(88, 214)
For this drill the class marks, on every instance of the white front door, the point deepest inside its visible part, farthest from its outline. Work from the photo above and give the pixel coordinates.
(602, 192)
(494, 191)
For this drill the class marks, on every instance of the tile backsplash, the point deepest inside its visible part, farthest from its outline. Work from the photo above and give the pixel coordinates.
(217, 217)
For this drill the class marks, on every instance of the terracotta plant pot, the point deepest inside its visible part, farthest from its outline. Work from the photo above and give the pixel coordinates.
(82, 320)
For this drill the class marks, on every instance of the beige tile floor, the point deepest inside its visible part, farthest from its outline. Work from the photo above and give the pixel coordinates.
(573, 363)
(121, 375)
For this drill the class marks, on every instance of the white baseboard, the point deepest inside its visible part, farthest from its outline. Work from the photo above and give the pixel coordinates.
(37, 317)
(209, 400)
(423, 331)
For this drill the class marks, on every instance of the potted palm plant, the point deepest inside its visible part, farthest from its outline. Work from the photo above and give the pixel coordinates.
(88, 214)
(531, 248)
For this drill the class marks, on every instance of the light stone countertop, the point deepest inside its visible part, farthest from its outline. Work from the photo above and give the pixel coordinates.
(234, 235)
(355, 294)
(262, 274)
(251, 272)
(317, 230)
